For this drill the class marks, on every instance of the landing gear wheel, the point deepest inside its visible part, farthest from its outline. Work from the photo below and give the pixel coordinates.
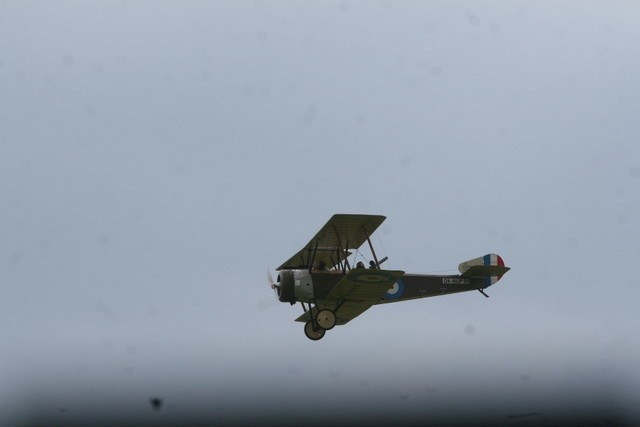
(326, 319)
(311, 333)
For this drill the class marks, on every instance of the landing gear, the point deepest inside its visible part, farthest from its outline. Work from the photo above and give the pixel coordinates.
(326, 319)
(320, 321)
(313, 332)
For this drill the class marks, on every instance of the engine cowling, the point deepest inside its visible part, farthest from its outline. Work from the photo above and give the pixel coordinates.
(294, 286)
(286, 287)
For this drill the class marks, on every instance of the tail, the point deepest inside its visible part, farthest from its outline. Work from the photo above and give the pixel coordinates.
(489, 267)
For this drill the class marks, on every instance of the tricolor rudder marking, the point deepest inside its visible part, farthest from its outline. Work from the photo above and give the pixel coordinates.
(490, 260)
(493, 259)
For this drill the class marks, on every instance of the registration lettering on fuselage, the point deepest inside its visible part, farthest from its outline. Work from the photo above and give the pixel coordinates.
(455, 281)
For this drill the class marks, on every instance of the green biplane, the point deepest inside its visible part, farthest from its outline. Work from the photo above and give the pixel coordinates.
(333, 292)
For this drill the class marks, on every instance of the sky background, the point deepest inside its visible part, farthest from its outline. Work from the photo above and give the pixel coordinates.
(156, 158)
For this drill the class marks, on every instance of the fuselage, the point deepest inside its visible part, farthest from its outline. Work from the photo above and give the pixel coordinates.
(304, 286)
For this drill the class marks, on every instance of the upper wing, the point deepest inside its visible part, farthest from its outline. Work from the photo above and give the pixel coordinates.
(355, 293)
(345, 231)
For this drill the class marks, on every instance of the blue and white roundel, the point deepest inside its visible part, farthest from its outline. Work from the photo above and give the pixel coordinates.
(396, 290)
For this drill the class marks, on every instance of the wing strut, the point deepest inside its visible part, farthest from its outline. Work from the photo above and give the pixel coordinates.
(375, 258)
(340, 247)
(313, 257)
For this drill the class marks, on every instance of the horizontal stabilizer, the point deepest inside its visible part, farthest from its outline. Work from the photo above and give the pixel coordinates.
(479, 271)
(489, 267)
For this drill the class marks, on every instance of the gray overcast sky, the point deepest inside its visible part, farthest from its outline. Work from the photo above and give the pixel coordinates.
(157, 157)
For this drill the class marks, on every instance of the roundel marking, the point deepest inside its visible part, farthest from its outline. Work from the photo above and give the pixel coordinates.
(396, 290)
(370, 278)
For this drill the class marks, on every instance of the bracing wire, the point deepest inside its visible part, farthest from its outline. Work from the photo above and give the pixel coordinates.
(355, 256)
(445, 271)
(382, 246)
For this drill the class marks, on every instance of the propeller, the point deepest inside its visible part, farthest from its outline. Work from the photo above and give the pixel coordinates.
(272, 283)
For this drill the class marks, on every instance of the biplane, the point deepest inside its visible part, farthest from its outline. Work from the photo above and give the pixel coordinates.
(332, 292)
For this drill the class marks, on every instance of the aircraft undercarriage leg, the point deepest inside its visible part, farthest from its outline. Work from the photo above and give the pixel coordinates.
(323, 321)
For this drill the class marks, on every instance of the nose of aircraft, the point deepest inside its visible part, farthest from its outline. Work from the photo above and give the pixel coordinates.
(285, 286)
(273, 284)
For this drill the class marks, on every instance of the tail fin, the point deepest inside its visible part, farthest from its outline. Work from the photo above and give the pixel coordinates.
(489, 267)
